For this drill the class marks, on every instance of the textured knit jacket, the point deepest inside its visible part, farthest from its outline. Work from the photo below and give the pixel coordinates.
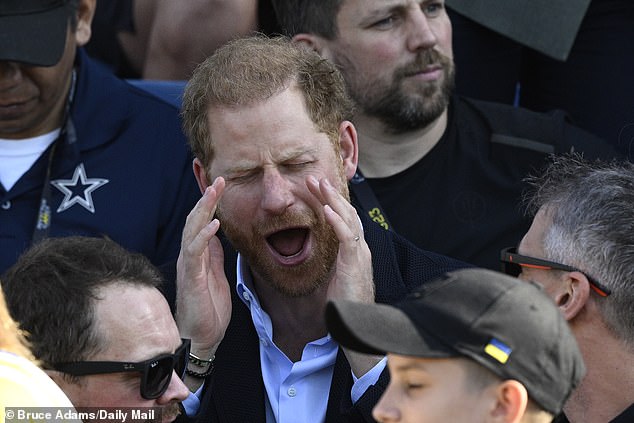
(235, 393)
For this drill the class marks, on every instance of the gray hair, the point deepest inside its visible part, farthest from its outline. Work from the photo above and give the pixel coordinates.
(592, 209)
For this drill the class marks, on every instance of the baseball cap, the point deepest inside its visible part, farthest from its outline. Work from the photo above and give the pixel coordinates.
(33, 31)
(509, 326)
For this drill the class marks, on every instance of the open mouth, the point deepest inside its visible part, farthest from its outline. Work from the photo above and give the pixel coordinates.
(288, 242)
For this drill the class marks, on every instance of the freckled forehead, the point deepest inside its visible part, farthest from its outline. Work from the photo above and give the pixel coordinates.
(278, 127)
(281, 112)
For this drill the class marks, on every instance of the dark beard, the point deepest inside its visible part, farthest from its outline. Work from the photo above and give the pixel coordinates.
(172, 411)
(296, 281)
(403, 112)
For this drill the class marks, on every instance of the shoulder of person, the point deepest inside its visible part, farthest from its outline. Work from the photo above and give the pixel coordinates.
(400, 266)
(550, 132)
(97, 85)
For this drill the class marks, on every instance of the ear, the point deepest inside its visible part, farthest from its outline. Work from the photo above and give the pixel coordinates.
(575, 296)
(201, 175)
(310, 41)
(85, 13)
(349, 148)
(511, 402)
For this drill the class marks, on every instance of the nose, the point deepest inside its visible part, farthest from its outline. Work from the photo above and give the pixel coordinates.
(276, 193)
(9, 74)
(421, 35)
(384, 411)
(176, 391)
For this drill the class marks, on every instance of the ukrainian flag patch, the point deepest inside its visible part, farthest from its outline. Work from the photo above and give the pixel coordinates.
(498, 350)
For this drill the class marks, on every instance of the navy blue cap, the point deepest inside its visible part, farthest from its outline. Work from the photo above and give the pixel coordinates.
(33, 31)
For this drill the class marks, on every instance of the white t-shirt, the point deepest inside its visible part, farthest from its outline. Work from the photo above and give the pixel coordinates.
(17, 156)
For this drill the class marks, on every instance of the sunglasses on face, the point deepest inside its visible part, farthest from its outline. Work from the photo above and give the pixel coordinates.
(156, 373)
(512, 264)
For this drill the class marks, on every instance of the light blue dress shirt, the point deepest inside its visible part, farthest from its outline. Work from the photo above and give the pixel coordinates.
(191, 404)
(295, 392)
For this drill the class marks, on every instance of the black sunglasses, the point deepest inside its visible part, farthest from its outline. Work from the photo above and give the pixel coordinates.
(512, 264)
(156, 372)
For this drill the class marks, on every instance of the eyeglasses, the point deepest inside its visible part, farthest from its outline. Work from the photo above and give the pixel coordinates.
(156, 373)
(512, 264)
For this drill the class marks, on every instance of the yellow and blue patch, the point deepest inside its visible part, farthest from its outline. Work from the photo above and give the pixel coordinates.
(498, 350)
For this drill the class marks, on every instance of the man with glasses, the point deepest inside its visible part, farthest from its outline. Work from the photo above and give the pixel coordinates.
(580, 247)
(99, 325)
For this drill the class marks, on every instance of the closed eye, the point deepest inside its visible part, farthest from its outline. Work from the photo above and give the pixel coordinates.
(241, 178)
(297, 165)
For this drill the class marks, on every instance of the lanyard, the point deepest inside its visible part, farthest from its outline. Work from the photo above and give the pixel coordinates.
(44, 216)
(368, 201)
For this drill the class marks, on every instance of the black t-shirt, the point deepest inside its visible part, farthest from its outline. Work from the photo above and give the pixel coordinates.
(626, 416)
(463, 198)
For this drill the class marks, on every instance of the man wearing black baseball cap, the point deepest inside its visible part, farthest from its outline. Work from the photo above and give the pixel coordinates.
(34, 32)
(472, 346)
(73, 137)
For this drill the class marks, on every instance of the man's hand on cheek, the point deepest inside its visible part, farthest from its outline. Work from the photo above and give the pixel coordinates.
(353, 278)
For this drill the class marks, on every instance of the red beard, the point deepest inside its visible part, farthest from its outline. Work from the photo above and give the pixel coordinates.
(293, 281)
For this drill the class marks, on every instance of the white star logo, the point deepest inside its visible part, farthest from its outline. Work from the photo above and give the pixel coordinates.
(72, 189)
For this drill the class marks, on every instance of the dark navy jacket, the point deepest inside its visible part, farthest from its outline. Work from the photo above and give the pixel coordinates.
(128, 175)
(234, 393)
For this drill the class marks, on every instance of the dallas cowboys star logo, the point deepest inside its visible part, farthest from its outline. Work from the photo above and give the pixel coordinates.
(78, 190)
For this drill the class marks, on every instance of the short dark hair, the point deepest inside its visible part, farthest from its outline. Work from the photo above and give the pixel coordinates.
(308, 16)
(51, 291)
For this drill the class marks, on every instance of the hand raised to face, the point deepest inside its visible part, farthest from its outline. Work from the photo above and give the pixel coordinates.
(203, 301)
(353, 277)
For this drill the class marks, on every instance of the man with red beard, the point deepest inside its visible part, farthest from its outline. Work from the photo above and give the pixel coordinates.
(269, 125)
(444, 171)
